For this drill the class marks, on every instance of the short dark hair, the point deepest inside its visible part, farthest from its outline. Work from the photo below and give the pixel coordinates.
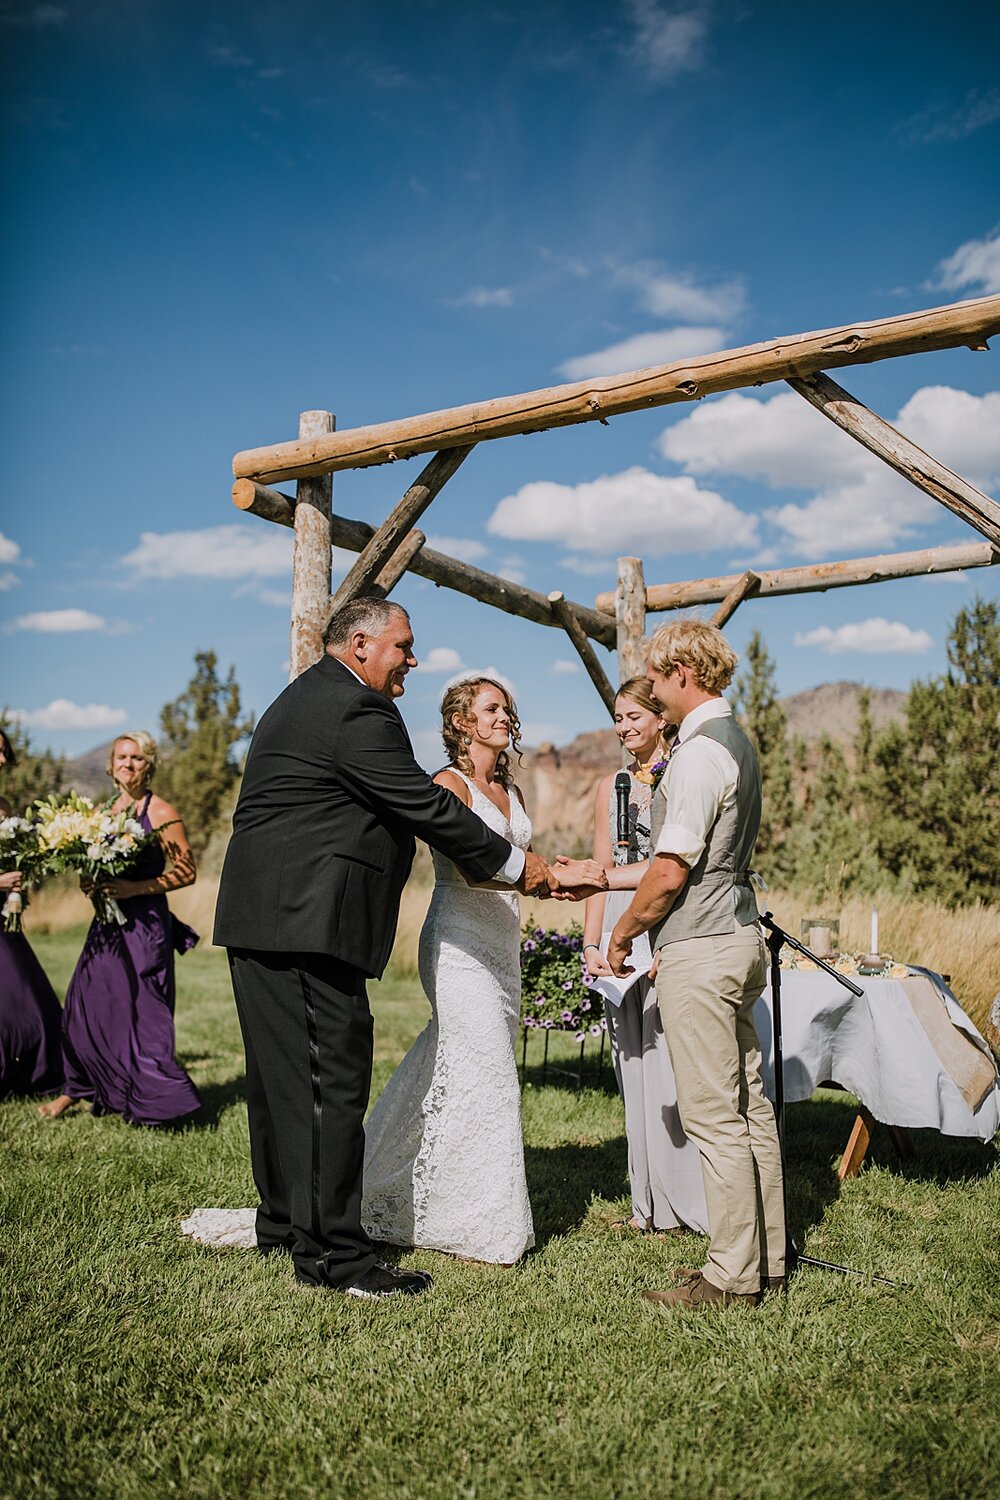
(369, 613)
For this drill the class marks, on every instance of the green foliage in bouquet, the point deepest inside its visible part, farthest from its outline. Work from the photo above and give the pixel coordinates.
(556, 992)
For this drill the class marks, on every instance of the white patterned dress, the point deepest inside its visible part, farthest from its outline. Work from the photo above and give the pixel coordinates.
(444, 1155)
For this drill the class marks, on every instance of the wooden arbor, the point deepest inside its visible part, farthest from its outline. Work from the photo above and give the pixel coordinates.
(618, 620)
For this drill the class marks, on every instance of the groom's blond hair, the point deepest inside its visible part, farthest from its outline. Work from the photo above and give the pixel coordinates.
(698, 646)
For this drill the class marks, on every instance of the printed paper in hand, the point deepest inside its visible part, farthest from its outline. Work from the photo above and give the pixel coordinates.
(640, 960)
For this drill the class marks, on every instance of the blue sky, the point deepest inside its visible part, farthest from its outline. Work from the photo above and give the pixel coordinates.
(220, 215)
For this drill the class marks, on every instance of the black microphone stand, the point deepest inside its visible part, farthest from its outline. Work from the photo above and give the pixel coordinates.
(775, 940)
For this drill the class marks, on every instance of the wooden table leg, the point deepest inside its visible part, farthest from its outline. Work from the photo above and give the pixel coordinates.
(857, 1145)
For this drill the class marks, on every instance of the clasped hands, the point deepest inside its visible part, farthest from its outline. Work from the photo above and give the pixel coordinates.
(566, 880)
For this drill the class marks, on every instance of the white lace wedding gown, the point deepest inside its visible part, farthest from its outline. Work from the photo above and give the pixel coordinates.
(444, 1156)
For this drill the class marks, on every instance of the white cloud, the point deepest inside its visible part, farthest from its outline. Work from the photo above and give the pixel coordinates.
(8, 581)
(9, 550)
(485, 296)
(633, 511)
(857, 502)
(951, 122)
(277, 597)
(974, 264)
(441, 659)
(564, 668)
(62, 714)
(875, 637)
(512, 573)
(59, 621)
(493, 673)
(668, 41)
(538, 732)
(213, 552)
(668, 294)
(465, 548)
(662, 346)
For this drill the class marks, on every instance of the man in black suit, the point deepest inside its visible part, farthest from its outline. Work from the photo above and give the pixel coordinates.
(323, 841)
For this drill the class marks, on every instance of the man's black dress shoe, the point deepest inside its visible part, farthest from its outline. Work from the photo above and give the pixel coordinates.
(387, 1281)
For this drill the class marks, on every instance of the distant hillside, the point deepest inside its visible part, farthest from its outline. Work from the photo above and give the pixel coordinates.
(559, 783)
(86, 773)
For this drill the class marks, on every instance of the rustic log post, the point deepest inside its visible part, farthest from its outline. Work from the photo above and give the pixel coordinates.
(446, 572)
(311, 567)
(387, 538)
(970, 323)
(564, 614)
(630, 619)
(748, 583)
(815, 577)
(398, 564)
(888, 444)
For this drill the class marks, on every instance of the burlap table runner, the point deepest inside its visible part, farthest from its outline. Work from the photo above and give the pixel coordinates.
(971, 1070)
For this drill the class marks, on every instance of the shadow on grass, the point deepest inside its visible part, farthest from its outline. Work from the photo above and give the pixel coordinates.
(216, 1098)
(562, 1181)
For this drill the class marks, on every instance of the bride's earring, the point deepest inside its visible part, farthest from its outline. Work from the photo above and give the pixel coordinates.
(466, 739)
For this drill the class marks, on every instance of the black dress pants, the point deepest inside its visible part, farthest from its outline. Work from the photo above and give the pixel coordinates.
(307, 1030)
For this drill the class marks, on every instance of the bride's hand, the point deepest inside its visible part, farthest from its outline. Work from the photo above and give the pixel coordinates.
(596, 964)
(579, 878)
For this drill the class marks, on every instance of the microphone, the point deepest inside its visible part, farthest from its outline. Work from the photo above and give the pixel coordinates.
(623, 788)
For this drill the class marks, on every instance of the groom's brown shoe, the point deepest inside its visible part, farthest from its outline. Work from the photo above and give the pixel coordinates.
(698, 1293)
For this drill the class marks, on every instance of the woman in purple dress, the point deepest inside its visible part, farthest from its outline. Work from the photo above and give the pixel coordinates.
(118, 1025)
(30, 1018)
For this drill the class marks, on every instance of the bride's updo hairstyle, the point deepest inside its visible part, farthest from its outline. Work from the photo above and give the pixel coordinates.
(457, 703)
(638, 689)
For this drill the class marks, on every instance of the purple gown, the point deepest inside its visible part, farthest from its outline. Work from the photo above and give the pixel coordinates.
(30, 1022)
(118, 1024)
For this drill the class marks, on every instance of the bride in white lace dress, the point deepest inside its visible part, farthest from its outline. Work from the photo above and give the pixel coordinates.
(444, 1155)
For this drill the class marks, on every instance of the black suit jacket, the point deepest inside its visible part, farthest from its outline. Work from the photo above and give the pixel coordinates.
(323, 833)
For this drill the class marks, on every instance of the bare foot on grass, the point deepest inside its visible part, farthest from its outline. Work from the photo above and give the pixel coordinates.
(53, 1108)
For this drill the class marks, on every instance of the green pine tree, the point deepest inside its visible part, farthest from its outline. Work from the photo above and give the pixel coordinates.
(939, 778)
(36, 774)
(756, 706)
(199, 729)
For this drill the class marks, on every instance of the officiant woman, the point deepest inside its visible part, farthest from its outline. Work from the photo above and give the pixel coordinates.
(664, 1167)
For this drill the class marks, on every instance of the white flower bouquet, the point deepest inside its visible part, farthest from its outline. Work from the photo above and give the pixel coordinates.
(19, 850)
(76, 835)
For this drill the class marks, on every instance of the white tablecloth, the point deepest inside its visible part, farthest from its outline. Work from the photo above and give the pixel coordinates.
(876, 1048)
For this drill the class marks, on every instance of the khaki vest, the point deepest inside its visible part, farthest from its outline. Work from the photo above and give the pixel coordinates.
(718, 889)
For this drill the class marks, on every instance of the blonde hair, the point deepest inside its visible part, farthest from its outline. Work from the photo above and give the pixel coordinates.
(700, 647)
(147, 749)
(458, 699)
(639, 690)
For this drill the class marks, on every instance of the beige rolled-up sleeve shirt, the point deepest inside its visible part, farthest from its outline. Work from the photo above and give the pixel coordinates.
(698, 784)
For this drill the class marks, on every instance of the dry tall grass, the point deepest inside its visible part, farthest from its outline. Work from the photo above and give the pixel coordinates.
(964, 943)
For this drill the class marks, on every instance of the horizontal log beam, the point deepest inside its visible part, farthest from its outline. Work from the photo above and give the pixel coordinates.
(567, 619)
(446, 572)
(920, 468)
(958, 323)
(816, 578)
(748, 583)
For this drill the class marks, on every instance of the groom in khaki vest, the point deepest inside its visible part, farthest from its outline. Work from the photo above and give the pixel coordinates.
(698, 905)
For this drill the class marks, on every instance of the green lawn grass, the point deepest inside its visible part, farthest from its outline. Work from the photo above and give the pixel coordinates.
(137, 1364)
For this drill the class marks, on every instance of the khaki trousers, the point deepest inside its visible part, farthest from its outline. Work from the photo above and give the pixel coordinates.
(706, 988)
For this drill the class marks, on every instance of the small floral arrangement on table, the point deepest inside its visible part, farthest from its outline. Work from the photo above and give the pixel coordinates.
(75, 835)
(848, 964)
(19, 850)
(556, 990)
